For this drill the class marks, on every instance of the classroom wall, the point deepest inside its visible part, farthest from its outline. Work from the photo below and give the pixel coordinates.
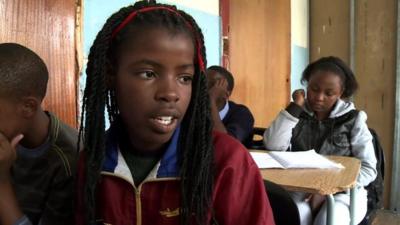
(300, 38)
(259, 56)
(204, 12)
(375, 69)
(329, 29)
(374, 65)
(207, 6)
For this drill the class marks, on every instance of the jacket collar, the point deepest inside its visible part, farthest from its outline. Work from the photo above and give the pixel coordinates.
(341, 107)
(115, 162)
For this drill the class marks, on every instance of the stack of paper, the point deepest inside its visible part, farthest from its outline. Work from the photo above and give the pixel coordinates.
(286, 160)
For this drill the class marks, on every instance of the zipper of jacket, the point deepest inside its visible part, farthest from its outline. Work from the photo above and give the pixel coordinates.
(138, 192)
(138, 205)
(138, 199)
(137, 195)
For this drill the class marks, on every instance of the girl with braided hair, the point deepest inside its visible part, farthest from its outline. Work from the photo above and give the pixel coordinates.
(159, 163)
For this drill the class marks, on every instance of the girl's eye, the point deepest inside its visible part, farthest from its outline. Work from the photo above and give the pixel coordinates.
(185, 79)
(146, 74)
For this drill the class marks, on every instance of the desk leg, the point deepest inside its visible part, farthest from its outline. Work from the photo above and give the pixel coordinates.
(330, 214)
(352, 205)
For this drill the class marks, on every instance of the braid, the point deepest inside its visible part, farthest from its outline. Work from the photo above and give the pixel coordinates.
(197, 178)
(195, 137)
(94, 101)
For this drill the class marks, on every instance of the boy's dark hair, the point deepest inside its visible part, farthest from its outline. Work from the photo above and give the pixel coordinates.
(224, 72)
(22, 72)
(337, 66)
(195, 136)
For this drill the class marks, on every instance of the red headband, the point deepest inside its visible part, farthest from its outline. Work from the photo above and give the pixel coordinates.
(132, 15)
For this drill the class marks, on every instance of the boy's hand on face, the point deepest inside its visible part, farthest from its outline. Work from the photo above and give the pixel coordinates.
(7, 154)
(299, 97)
(219, 90)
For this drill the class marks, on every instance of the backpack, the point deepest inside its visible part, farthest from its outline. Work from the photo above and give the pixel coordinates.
(375, 188)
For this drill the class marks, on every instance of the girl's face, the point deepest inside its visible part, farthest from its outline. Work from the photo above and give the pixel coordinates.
(324, 89)
(153, 85)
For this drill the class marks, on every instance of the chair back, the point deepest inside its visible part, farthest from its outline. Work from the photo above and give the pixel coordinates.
(375, 188)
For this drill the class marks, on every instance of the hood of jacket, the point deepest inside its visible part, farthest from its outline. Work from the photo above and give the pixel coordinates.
(341, 107)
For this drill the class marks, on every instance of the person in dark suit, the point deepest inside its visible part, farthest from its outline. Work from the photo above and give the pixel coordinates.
(228, 116)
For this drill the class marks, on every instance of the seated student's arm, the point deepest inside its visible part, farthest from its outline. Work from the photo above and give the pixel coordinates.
(240, 124)
(239, 194)
(10, 213)
(363, 149)
(278, 135)
(216, 92)
(217, 122)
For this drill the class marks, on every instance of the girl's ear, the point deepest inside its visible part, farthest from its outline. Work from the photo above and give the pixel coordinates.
(28, 106)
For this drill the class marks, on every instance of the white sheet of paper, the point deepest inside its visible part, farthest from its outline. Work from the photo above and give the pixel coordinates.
(264, 160)
(304, 159)
(286, 160)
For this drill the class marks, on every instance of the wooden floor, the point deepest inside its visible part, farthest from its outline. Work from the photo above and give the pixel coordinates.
(385, 217)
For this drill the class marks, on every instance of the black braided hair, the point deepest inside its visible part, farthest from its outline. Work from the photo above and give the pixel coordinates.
(337, 66)
(195, 137)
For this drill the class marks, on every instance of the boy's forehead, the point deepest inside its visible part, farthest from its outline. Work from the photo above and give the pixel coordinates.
(7, 99)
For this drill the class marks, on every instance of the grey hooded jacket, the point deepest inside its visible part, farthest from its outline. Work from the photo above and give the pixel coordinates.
(345, 133)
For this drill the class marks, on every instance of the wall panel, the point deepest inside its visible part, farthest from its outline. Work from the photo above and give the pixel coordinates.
(375, 69)
(259, 42)
(48, 28)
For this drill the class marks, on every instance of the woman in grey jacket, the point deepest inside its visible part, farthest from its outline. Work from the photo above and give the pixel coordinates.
(327, 122)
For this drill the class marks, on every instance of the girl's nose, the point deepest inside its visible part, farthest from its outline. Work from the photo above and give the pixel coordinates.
(167, 90)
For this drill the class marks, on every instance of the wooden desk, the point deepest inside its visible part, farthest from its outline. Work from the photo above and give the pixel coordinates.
(317, 181)
(320, 181)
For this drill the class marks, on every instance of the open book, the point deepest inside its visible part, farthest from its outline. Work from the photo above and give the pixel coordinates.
(286, 160)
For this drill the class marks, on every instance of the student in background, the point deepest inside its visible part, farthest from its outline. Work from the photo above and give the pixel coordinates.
(159, 159)
(37, 151)
(228, 117)
(329, 123)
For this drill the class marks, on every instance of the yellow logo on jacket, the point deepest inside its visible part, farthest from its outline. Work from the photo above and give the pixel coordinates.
(170, 213)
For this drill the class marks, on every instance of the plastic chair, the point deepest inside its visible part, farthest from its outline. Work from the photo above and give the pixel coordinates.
(283, 207)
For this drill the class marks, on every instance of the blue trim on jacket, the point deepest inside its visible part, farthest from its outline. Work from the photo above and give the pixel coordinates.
(168, 163)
